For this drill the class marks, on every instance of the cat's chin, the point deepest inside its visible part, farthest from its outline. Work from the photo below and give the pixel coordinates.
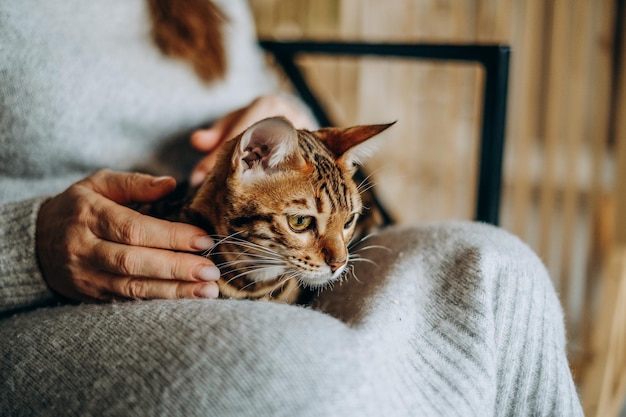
(321, 280)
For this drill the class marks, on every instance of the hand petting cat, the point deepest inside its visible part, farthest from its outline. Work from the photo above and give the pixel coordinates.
(93, 248)
(209, 140)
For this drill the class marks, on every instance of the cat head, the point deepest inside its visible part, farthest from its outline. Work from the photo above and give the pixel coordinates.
(273, 145)
(287, 201)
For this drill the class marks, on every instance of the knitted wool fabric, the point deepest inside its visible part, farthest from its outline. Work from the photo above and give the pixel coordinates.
(457, 319)
(83, 87)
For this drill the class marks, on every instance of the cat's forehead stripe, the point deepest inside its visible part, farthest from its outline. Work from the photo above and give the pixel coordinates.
(327, 173)
(319, 204)
(333, 195)
(310, 144)
(302, 202)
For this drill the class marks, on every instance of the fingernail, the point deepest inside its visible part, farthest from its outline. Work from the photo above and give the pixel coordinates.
(159, 180)
(202, 243)
(207, 273)
(197, 178)
(206, 291)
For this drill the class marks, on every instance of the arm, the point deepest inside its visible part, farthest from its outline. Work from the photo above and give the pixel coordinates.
(21, 282)
(85, 245)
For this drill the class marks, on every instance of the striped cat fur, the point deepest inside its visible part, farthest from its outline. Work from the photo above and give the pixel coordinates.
(282, 207)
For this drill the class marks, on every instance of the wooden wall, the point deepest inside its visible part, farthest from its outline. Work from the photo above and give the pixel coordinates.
(562, 120)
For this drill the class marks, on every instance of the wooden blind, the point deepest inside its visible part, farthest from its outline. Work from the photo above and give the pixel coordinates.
(560, 193)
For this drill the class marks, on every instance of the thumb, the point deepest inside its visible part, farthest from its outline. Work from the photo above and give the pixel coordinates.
(206, 140)
(125, 188)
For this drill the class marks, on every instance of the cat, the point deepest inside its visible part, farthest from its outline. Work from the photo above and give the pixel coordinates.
(282, 205)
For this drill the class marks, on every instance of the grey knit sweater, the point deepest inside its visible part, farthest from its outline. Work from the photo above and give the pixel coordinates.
(455, 319)
(83, 87)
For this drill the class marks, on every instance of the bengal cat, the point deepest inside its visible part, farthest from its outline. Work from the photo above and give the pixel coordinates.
(282, 207)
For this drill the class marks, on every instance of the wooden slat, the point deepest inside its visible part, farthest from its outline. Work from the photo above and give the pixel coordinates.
(620, 144)
(504, 21)
(600, 110)
(458, 24)
(523, 118)
(555, 119)
(604, 382)
(579, 82)
(485, 20)
(287, 22)
(349, 70)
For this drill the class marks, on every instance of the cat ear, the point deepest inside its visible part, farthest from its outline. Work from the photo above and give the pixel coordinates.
(348, 144)
(265, 146)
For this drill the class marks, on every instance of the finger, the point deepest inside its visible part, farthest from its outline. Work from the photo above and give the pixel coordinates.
(151, 263)
(103, 286)
(124, 188)
(202, 169)
(207, 140)
(121, 224)
(146, 289)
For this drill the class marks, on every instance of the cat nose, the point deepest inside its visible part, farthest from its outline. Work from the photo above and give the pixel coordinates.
(335, 265)
(335, 253)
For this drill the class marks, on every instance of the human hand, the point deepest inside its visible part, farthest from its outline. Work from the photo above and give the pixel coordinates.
(228, 127)
(93, 248)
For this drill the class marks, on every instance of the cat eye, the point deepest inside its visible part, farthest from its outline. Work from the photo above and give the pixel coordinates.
(299, 223)
(350, 221)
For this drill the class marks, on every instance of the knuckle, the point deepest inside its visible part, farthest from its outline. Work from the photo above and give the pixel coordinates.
(131, 180)
(136, 289)
(96, 177)
(182, 291)
(181, 268)
(101, 173)
(126, 263)
(130, 231)
(89, 290)
(175, 238)
(71, 250)
(82, 211)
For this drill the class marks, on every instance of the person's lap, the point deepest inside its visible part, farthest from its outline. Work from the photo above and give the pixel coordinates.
(417, 330)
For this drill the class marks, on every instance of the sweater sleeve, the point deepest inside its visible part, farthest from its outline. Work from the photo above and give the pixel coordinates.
(21, 282)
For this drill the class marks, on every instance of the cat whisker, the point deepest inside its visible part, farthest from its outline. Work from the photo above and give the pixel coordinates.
(354, 242)
(374, 247)
(295, 275)
(221, 240)
(280, 284)
(350, 271)
(248, 248)
(251, 265)
(365, 187)
(327, 286)
(250, 271)
(369, 236)
(369, 261)
(366, 183)
(255, 256)
(236, 266)
(251, 283)
(251, 245)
